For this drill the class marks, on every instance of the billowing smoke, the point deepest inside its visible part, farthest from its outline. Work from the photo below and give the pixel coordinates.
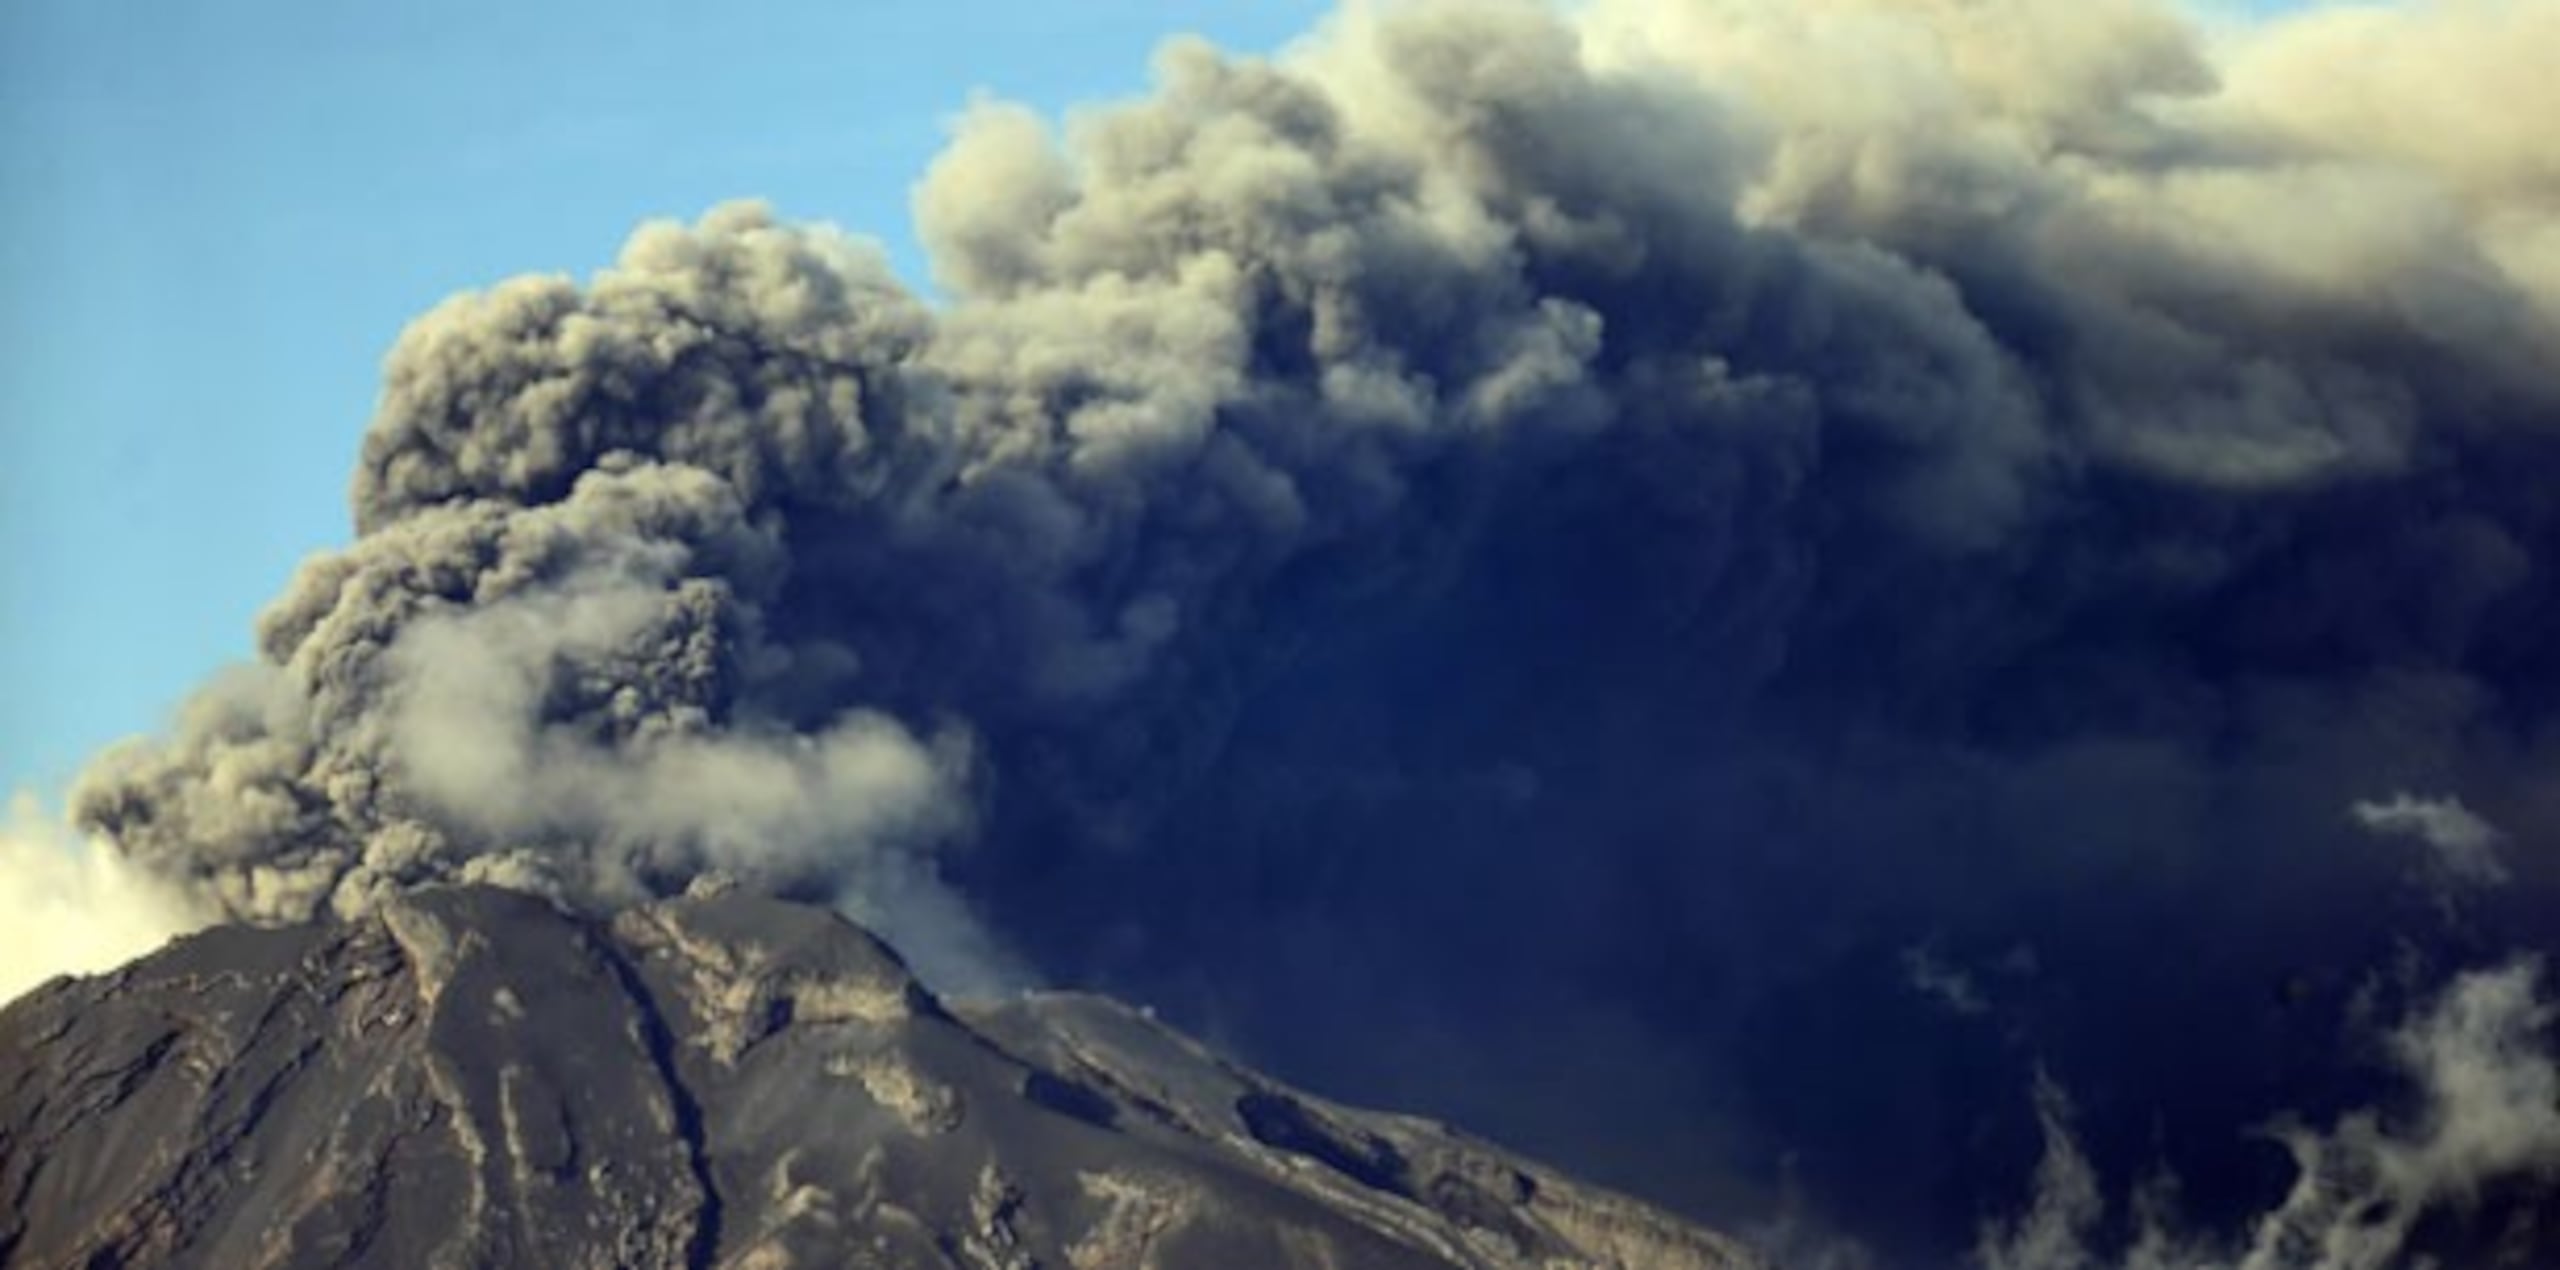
(72, 906)
(1541, 567)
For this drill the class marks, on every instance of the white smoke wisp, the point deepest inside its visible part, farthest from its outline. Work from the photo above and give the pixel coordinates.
(2490, 1110)
(2053, 1233)
(470, 733)
(863, 802)
(70, 904)
(2462, 846)
(2487, 1111)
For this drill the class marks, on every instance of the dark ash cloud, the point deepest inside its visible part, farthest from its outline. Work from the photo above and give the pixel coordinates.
(1516, 564)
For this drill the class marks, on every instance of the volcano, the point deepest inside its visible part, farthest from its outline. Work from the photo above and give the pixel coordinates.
(474, 1076)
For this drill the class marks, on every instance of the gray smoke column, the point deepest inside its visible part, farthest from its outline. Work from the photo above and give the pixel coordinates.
(1561, 546)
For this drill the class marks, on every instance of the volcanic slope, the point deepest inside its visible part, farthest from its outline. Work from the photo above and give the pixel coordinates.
(473, 1077)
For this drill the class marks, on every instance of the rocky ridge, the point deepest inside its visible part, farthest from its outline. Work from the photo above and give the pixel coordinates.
(475, 1078)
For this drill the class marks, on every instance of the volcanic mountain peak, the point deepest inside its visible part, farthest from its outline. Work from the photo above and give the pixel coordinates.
(473, 1077)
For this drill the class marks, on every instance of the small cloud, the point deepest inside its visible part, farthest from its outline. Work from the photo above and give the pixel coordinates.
(2464, 846)
(1949, 984)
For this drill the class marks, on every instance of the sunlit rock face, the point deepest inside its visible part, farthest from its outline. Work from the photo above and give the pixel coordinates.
(471, 1077)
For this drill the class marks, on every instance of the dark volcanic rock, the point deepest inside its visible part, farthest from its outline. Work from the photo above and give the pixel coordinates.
(475, 1079)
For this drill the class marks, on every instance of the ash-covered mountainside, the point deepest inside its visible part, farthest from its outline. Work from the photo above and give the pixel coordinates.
(471, 1077)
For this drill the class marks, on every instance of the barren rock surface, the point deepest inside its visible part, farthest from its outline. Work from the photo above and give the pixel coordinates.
(477, 1079)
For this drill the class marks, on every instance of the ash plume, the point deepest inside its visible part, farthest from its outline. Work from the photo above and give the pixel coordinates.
(1556, 544)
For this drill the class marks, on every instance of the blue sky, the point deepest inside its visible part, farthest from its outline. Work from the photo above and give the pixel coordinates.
(214, 217)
